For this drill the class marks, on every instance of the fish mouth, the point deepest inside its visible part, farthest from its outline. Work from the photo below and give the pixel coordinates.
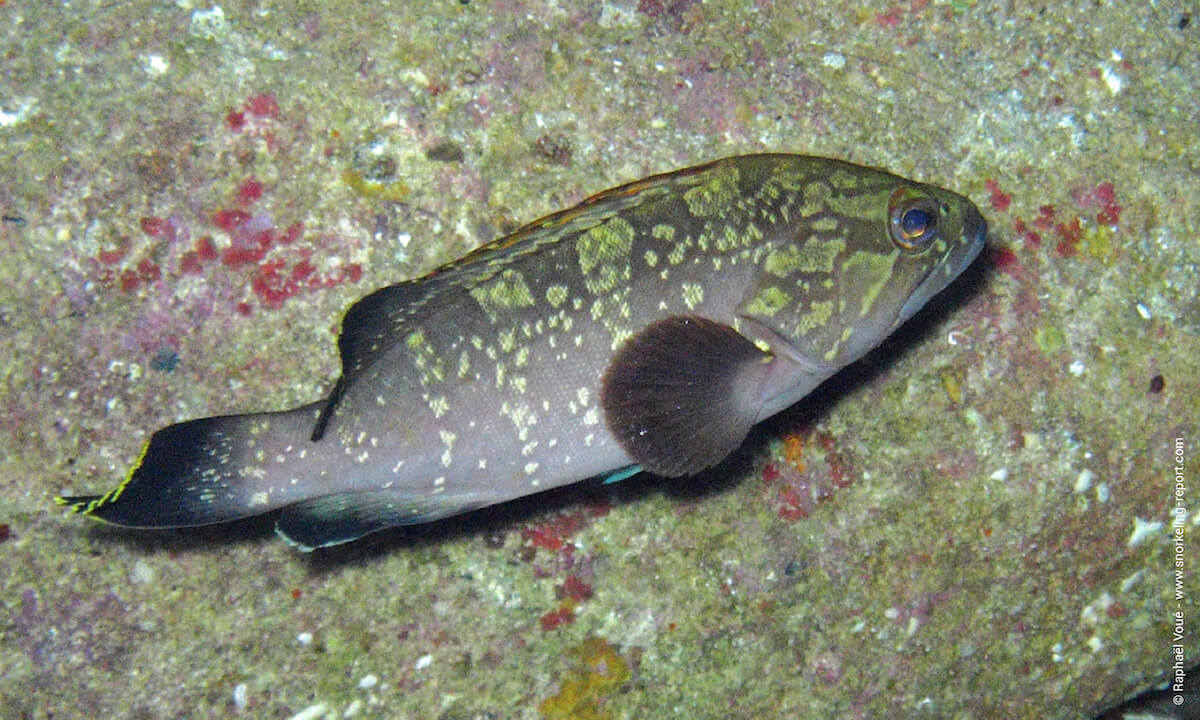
(971, 243)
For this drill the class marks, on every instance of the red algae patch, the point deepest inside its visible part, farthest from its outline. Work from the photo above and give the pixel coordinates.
(239, 238)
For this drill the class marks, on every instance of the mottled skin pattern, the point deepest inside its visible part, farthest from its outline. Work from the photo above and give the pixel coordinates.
(649, 327)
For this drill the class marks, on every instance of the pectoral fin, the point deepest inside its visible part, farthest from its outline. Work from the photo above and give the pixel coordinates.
(683, 393)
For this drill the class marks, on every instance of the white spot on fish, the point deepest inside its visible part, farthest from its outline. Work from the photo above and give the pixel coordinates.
(531, 468)
(439, 406)
(448, 439)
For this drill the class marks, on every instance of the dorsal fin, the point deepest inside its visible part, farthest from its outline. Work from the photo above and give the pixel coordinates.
(369, 327)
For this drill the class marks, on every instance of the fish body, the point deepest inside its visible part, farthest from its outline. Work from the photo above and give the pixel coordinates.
(648, 328)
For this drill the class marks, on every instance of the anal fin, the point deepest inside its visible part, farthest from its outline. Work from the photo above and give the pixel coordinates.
(683, 393)
(343, 517)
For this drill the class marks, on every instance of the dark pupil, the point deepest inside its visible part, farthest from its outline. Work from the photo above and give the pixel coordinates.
(914, 222)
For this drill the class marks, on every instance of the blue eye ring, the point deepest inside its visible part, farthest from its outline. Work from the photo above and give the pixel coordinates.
(913, 219)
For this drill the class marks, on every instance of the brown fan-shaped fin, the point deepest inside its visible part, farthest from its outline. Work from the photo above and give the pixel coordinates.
(683, 393)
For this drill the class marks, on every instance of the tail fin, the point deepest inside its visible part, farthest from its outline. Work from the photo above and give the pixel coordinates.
(212, 470)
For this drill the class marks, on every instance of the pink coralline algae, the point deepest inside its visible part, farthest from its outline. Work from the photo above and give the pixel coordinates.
(1095, 203)
(271, 259)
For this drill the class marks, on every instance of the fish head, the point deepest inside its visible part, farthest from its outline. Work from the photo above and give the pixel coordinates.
(939, 234)
(865, 251)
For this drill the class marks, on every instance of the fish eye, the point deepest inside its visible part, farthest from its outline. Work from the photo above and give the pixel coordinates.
(913, 219)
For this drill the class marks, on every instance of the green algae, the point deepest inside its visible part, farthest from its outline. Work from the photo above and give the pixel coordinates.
(1050, 339)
